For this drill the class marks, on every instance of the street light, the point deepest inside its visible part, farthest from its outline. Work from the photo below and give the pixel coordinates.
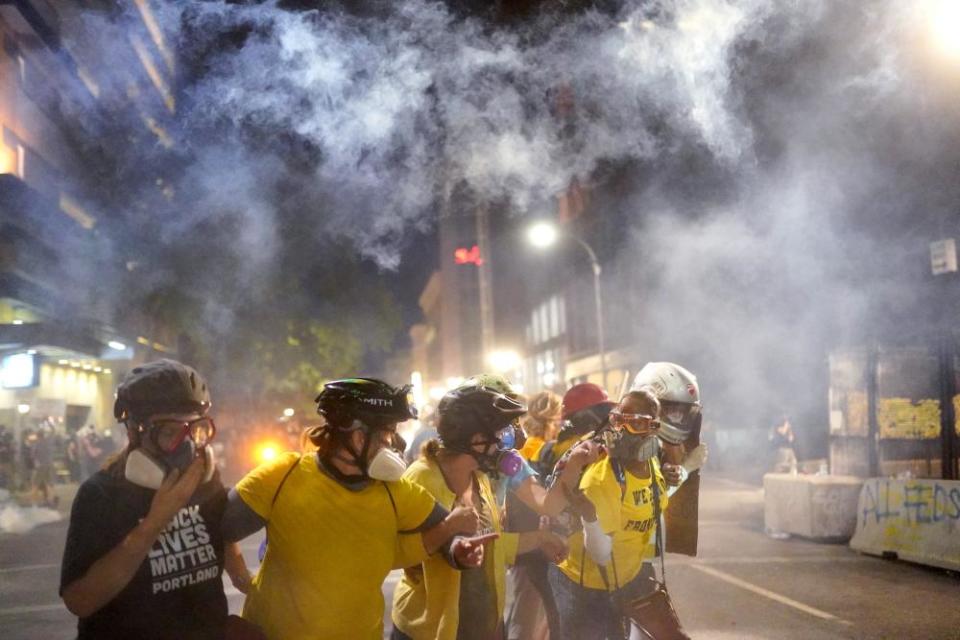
(503, 360)
(544, 234)
(945, 26)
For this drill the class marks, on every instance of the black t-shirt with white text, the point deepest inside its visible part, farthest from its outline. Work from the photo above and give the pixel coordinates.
(177, 592)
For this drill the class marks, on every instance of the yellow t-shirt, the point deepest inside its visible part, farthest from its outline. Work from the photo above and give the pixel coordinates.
(627, 515)
(531, 448)
(329, 549)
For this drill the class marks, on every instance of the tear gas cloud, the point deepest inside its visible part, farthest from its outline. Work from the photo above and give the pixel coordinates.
(782, 150)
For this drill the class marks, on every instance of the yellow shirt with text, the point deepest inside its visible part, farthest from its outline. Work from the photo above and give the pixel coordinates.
(329, 549)
(626, 513)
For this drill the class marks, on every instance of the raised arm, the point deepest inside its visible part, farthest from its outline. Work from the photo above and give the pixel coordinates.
(550, 502)
(107, 576)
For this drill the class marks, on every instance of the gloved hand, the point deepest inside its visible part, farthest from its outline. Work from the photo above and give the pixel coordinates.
(695, 459)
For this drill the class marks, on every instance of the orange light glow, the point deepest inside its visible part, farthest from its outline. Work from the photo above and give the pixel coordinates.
(8, 159)
(266, 451)
(471, 255)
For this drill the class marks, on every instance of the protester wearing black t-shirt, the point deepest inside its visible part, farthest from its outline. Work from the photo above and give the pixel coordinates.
(144, 552)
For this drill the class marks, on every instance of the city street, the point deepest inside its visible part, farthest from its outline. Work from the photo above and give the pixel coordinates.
(743, 586)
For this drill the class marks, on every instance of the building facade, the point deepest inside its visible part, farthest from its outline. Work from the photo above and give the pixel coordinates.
(60, 92)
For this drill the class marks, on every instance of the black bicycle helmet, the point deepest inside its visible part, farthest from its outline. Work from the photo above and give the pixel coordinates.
(372, 402)
(469, 410)
(162, 386)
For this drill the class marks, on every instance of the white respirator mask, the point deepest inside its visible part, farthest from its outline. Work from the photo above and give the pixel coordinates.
(387, 465)
(144, 470)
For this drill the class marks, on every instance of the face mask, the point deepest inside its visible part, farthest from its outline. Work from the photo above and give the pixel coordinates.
(387, 465)
(144, 470)
(182, 456)
(633, 447)
(506, 462)
(509, 463)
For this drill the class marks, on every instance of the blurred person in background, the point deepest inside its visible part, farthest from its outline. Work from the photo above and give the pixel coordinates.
(27, 463)
(73, 458)
(6, 458)
(88, 452)
(781, 440)
(42, 477)
(426, 432)
(541, 424)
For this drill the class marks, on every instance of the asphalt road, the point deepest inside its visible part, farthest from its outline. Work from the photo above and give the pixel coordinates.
(743, 585)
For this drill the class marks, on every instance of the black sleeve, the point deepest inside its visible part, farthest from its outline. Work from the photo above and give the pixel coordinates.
(433, 519)
(86, 540)
(239, 520)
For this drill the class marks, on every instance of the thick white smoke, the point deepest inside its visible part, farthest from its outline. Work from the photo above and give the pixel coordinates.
(398, 105)
(780, 150)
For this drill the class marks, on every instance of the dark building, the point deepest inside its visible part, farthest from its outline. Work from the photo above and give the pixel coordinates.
(60, 94)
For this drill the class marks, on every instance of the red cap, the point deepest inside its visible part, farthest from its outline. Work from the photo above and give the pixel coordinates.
(583, 395)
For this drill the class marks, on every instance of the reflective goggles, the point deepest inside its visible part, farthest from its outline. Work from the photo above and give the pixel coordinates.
(637, 423)
(169, 433)
(679, 414)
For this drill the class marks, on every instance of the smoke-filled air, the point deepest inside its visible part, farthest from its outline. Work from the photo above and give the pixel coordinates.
(778, 152)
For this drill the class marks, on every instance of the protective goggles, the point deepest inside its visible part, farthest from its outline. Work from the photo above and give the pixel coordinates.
(636, 423)
(169, 433)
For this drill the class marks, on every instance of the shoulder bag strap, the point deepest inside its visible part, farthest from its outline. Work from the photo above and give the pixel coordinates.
(658, 535)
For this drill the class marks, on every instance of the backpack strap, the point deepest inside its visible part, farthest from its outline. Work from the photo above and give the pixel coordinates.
(393, 504)
(658, 535)
(620, 473)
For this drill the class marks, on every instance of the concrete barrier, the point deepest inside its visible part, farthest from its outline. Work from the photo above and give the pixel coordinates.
(818, 507)
(918, 520)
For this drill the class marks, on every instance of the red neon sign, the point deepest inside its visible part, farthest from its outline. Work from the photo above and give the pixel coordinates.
(463, 255)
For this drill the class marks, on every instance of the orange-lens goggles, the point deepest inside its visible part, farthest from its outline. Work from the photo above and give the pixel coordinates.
(637, 423)
(169, 433)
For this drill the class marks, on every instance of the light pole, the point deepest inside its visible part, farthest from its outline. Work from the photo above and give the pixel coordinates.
(545, 234)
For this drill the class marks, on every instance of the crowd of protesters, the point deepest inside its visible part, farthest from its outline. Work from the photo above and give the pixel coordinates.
(47, 456)
(552, 504)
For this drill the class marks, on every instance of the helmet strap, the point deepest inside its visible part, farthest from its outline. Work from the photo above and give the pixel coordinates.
(359, 458)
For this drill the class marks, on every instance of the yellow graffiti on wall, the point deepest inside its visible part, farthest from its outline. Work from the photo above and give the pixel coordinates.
(956, 413)
(905, 418)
